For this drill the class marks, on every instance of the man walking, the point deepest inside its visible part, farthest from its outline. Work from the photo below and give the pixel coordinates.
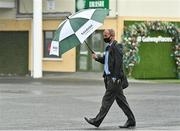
(113, 74)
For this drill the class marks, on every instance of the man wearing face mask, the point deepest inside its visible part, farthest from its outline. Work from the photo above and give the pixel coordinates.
(113, 72)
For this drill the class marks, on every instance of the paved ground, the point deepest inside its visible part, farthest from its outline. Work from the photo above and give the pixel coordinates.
(61, 102)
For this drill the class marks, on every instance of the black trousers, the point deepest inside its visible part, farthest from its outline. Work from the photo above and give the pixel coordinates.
(113, 92)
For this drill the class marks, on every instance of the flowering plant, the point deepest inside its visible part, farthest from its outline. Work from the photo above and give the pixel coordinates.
(131, 44)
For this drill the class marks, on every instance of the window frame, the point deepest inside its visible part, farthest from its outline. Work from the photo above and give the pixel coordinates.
(45, 46)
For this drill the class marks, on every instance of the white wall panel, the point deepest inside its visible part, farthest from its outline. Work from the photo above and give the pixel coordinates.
(152, 8)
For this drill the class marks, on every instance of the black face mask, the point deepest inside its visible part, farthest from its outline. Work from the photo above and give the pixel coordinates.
(107, 40)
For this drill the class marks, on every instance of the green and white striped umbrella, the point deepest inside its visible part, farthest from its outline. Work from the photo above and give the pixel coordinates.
(76, 28)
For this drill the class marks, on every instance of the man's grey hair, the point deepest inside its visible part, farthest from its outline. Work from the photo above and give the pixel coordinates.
(112, 32)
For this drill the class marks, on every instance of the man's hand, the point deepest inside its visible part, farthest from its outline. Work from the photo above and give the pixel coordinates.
(94, 56)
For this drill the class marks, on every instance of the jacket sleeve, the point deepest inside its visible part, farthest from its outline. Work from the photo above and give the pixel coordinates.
(100, 59)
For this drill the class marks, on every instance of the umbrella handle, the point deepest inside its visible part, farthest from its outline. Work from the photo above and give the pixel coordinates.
(89, 48)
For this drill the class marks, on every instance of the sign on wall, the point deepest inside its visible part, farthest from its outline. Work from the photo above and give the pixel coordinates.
(50, 4)
(150, 49)
(158, 39)
(86, 4)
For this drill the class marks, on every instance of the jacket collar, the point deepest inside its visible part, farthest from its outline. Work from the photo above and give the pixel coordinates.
(113, 43)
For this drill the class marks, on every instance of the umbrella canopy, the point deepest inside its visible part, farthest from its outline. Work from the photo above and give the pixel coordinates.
(76, 28)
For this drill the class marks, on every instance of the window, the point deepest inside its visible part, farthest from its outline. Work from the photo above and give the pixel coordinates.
(84, 59)
(48, 36)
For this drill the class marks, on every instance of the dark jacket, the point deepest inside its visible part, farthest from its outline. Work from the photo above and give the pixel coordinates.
(115, 61)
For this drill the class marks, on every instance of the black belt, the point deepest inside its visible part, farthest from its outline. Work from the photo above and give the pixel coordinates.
(116, 80)
(106, 76)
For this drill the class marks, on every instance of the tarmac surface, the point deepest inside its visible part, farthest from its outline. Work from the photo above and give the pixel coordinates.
(60, 102)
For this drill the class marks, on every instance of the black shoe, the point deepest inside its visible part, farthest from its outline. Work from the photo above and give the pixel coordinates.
(129, 124)
(91, 121)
